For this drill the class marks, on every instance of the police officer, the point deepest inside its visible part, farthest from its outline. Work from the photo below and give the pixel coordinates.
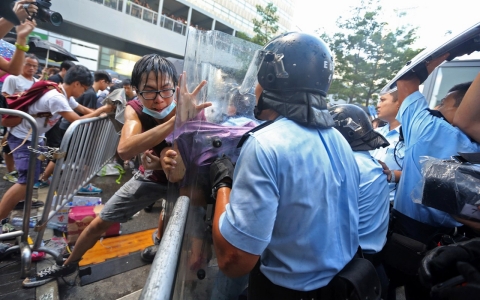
(426, 133)
(373, 201)
(289, 213)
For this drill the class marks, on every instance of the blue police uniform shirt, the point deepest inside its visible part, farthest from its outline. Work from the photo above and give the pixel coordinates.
(425, 135)
(294, 201)
(373, 203)
(388, 154)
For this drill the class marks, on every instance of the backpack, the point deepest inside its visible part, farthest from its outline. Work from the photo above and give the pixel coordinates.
(24, 100)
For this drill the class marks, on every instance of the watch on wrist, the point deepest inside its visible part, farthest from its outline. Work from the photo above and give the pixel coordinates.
(392, 178)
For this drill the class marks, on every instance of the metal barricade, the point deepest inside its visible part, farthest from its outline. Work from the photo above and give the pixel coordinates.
(23, 234)
(161, 279)
(89, 144)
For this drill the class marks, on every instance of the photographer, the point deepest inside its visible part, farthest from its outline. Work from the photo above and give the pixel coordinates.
(14, 66)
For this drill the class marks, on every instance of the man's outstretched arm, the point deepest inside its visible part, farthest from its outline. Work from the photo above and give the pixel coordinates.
(409, 84)
(133, 141)
(467, 116)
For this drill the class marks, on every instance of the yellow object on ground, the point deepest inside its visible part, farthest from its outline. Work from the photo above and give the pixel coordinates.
(121, 245)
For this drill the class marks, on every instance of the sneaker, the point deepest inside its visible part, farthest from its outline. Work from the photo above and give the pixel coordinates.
(35, 204)
(89, 189)
(11, 177)
(53, 272)
(148, 254)
(40, 184)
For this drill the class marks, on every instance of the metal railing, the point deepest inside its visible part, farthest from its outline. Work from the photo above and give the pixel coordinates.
(89, 144)
(161, 279)
(173, 25)
(114, 4)
(141, 12)
(23, 234)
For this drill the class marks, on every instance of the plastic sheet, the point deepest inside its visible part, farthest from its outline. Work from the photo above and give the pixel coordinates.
(451, 187)
(222, 60)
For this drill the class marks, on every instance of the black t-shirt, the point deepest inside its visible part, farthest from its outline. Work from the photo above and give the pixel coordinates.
(87, 99)
(56, 78)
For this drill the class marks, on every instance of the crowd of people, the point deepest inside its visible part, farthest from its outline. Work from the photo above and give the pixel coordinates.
(142, 3)
(70, 81)
(316, 196)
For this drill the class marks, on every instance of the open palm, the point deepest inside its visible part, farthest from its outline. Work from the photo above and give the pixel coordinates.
(187, 103)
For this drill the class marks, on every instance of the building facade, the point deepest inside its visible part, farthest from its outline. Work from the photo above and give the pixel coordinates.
(114, 34)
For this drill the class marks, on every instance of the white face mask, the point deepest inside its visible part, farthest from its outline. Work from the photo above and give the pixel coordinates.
(160, 115)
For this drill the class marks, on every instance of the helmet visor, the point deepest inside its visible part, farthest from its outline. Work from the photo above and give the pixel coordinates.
(251, 77)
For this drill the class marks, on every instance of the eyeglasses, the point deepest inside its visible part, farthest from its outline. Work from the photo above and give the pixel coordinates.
(151, 95)
(31, 66)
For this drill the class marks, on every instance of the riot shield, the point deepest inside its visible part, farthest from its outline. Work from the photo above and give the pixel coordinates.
(458, 44)
(198, 139)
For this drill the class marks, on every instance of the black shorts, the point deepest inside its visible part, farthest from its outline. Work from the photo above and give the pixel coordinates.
(55, 136)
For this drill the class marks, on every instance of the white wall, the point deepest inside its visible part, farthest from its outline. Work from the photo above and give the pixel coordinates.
(118, 24)
(86, 53)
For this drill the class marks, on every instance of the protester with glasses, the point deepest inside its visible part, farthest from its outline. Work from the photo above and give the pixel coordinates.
(148, 121)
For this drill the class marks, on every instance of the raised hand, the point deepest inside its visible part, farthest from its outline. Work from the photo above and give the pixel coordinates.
(187, 103)
(22, 12)
(25, 29)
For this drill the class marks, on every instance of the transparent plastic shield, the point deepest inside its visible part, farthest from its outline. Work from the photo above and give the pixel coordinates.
(200, 136)
(464, 42)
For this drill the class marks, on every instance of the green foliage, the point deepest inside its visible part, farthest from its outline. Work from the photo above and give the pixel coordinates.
(267, 27)
(243, 36)
(367, 53)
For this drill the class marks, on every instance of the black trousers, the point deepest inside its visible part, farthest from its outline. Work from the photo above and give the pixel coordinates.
(261, 288)
(424, 233)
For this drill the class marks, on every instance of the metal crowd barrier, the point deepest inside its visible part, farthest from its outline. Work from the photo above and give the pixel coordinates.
(161, 279)
(89, 144)
(23, 234)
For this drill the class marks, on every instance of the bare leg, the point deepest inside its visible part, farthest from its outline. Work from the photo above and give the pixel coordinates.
(48, 171)
(11, 198)
(88, 238)
(9, 162)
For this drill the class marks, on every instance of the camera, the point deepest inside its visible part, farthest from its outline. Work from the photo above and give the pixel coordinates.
(45, 14)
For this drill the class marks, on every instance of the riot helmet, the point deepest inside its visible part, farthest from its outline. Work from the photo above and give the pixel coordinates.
(295, 71)
(240, 104)
(356, 128)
